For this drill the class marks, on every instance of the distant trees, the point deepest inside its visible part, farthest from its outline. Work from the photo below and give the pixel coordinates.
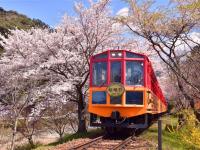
(171, 33)
(20, 22)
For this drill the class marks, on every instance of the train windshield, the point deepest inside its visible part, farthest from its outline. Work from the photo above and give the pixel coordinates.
(134, 73)
(99, 77)
(115, 74)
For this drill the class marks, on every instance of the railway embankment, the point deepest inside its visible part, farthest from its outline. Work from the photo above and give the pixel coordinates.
(173, 137)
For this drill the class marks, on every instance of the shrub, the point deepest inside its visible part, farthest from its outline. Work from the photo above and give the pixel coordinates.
(187, 128)
(190, 130)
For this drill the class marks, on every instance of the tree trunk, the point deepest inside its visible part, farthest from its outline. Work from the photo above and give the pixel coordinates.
(81, 120)
(81, 107)
(191, 100)
(61, 137)
(14, 134)
(185, 94)
(197, 114)
(30, 140)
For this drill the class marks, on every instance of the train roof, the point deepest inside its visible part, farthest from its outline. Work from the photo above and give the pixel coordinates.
(122, 50)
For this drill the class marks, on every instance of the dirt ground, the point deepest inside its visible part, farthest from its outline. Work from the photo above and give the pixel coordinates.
(42, 137)
(139, 144)
(71, 144)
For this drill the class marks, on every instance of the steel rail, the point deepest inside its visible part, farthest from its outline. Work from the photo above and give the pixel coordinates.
(87, 144)
(125, 143)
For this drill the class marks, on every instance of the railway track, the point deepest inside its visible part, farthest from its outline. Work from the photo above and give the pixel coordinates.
(105, 143)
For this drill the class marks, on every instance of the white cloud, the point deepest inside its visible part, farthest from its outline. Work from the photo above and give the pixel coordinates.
(183, 48)
(195, 36)
(123, 12)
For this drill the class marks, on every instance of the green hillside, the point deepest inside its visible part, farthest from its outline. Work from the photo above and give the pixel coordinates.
(12, 20)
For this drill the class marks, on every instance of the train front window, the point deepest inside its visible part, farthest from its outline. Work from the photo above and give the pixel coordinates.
(132, 55)
(115, 75)
(101, 56)
(99, 76)
(134, 97)
(134, 73)
(99, 97)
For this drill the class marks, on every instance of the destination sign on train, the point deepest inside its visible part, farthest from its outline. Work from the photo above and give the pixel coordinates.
(115, 89)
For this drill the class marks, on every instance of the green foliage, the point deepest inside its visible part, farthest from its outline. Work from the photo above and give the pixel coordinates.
(12, 20)
(191, 5)
(171, 135)
(190, 131)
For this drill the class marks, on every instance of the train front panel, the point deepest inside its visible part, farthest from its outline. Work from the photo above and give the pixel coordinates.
(118, 90)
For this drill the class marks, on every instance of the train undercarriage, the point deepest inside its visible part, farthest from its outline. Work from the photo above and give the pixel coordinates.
(116, 123)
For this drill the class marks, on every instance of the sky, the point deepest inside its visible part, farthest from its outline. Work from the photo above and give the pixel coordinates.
(51, 11)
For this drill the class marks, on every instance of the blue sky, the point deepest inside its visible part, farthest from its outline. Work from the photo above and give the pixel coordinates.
(51, 11)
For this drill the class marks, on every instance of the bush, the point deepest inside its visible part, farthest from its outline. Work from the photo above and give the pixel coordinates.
(190, 130)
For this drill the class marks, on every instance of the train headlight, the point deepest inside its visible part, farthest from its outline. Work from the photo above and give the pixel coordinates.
(113, 54)
(119, 54)
(116, 54)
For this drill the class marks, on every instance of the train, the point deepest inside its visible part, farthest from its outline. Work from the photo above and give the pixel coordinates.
(123, 91)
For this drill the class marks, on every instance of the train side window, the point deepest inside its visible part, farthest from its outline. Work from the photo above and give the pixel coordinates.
(115, 74)
(99, 97)
(135, 97)
(134, 73)
(99, 75)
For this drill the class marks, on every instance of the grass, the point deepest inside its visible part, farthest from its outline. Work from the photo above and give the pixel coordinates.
(170, 140)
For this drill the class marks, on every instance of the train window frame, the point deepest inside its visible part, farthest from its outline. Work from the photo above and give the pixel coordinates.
(143, 74)
(123, 60)
(92, 74)
(110, 70)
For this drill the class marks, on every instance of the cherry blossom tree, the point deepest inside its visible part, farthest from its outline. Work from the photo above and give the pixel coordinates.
(170, 31)
(61, 56)
(18, 100)
(60, 117)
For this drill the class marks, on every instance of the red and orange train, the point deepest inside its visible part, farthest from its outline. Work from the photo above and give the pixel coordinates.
(124, 91)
